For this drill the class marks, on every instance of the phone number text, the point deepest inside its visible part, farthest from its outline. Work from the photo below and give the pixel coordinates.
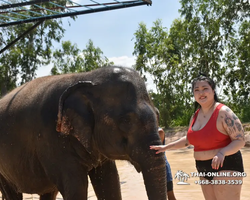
(219, 182)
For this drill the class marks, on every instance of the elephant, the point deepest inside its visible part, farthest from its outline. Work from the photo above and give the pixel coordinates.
(57, 132)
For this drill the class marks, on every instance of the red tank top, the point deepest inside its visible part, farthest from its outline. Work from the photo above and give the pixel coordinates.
(208, 137)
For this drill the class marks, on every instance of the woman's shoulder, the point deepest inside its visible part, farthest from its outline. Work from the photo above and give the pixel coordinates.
(160, 129)
(225, 110)
(227, 116)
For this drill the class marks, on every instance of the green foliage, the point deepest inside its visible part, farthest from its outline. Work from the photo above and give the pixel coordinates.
(70, 59)
(212, 37)
(158, 55)
(20, 62)
(23, 59)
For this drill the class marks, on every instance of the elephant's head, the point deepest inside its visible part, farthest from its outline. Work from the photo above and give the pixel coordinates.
(110, 112)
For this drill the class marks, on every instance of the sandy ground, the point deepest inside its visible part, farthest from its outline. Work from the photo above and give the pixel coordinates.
(132, 185)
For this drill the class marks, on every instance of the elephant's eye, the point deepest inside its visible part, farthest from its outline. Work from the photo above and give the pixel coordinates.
(126, 119)
(128, 122)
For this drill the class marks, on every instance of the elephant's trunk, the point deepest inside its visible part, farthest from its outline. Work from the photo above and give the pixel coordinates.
(154, 176)
(153, 168)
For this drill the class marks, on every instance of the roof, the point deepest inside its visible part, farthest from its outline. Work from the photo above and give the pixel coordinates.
(14, 12)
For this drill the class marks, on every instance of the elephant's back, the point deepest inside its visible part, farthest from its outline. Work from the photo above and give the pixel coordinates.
(50, 88)
(37, 91)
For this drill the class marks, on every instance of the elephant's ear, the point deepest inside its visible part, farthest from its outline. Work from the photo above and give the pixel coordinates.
(75, 113)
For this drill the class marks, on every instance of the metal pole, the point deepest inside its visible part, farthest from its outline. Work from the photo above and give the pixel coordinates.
(108, 8)
(21, 36)
(14, 5)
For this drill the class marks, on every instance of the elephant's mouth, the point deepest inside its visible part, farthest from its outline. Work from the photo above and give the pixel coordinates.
(118, 157)
(125, 157)
(136, 165)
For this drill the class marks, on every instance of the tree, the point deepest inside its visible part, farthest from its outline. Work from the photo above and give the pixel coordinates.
(20, 62)
(70, 59)
(93, 57)
(227, 25)
(159, 56)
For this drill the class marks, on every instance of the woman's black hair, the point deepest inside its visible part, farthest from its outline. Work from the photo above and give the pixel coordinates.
(203, 77)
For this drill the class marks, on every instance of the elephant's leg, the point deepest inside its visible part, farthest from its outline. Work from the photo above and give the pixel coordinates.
(75, 193)
(105, 181)
(74, 184)
(49, 196)
(8, 192)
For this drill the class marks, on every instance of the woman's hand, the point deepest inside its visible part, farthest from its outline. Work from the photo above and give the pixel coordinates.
(218, 160)
(181, 143)
(159, 148)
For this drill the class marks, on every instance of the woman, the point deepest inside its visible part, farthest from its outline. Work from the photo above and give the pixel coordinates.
(217, 135)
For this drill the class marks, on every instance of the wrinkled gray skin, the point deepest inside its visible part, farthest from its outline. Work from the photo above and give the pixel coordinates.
(56, 131)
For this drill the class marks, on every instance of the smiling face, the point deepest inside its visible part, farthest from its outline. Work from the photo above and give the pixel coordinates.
(203, 93)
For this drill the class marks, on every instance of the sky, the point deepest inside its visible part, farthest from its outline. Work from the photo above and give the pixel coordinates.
(113, 31)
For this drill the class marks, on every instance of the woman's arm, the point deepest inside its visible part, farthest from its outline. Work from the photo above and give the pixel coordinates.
(178, 144)
(181, 143)
(232, 126)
